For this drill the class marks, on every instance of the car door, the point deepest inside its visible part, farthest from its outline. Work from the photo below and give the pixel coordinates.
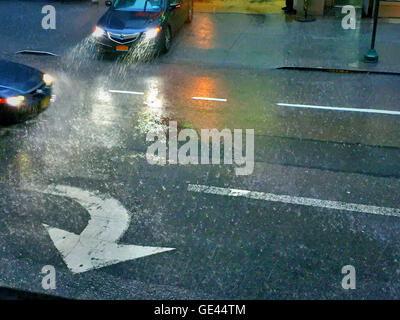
(173, 16)
(183, 11)
(176, 15)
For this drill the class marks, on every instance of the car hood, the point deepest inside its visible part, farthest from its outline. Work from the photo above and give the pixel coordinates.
(17, 78)
(128, 21)
(6, 92)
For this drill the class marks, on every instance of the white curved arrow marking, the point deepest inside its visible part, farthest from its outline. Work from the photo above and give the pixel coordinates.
(96, 246)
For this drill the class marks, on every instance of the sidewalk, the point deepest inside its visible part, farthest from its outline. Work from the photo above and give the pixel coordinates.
(239, 6)
(276, 40)
(324, 44)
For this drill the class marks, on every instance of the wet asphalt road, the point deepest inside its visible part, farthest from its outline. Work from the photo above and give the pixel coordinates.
(225, 247)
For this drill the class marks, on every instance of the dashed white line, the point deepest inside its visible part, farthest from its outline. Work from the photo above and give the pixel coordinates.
(328, 204)
(304, 106)
(209, 99)
(7, 129)
(126, 92)
(38, 52)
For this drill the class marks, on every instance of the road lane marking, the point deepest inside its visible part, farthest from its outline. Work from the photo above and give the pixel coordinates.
(126, 92)
(39, 52)
(304, 106)
(7, 129)
(328, 204)
(96, 246)
(209, 99)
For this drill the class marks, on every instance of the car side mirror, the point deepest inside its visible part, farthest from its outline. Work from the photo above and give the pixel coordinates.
(108, 3)
(174, 5)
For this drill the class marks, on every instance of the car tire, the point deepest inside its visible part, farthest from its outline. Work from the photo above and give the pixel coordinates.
(190, 13)
(166, 40)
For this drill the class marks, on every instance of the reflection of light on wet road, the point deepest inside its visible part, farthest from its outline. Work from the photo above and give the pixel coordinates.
(204, 38)
(103, 110)
(201, 87)
(103, 96)
(153, 109)
(204, 93)
(104, 114)
(154, 98)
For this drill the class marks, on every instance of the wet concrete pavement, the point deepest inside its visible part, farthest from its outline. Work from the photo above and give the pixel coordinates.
(225, 247)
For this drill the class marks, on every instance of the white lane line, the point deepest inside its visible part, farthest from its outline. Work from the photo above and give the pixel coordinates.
(126, 92)
(38, 52)
(6, 129)
(338, 205)
(304, 106)
(209, 99)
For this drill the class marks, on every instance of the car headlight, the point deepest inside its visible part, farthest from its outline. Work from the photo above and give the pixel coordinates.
(98, 32)
(15, 101)
(47, 79)
(152, 33)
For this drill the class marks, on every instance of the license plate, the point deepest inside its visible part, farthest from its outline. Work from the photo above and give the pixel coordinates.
(122, 48)
(44, 103)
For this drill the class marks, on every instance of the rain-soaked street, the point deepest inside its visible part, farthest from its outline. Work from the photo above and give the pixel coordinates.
(324, 192)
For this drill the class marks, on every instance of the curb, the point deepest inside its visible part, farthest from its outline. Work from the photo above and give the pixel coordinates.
(336, 70)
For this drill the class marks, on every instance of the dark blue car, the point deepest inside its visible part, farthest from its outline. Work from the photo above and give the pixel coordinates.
(24, 92)
(141, 24)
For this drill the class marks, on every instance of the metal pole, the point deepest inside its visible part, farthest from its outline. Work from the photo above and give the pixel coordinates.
(372, 56)
(307, 17)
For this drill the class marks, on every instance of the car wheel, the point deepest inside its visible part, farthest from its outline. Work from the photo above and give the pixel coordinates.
(167, 38)
(190, 13)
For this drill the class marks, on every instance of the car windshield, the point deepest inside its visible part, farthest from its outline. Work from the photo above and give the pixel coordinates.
(138, 5)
